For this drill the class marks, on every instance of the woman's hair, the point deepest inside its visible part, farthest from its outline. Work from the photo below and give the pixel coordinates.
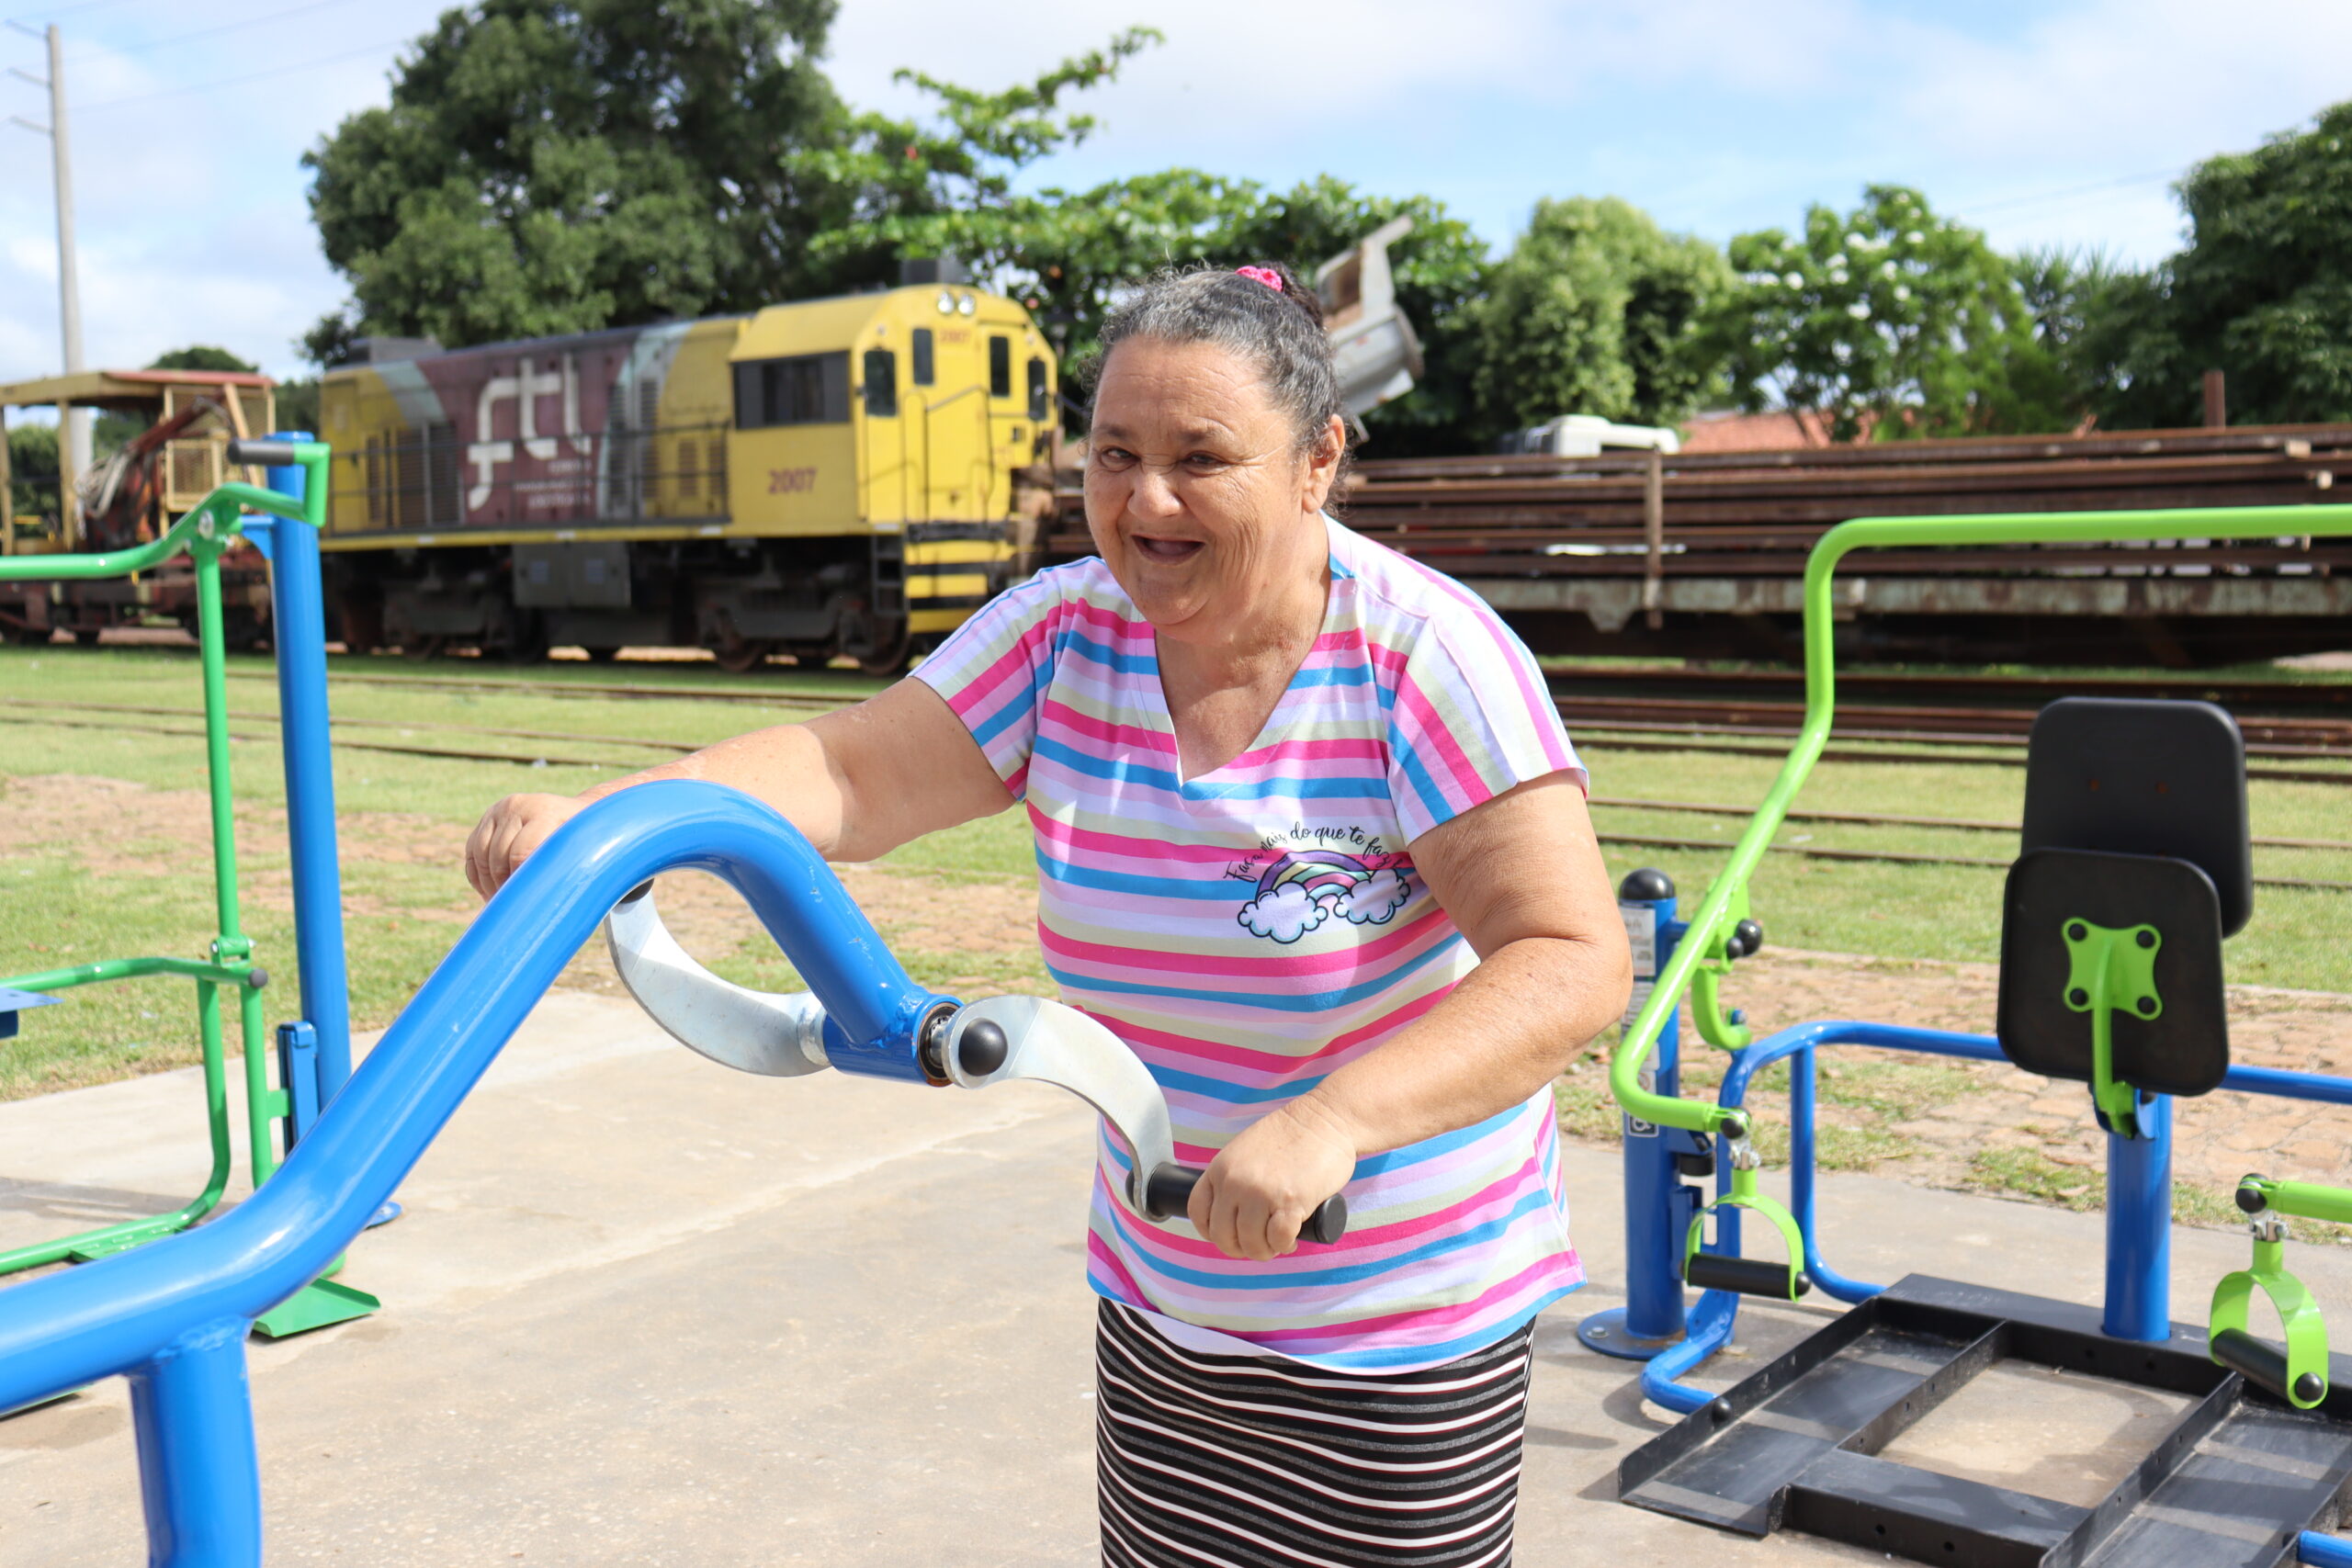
(1278, 331)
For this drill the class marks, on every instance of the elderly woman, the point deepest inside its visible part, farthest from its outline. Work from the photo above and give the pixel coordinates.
(1311, 839)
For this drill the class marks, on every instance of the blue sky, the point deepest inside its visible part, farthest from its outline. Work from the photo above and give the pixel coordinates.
(2059, 123)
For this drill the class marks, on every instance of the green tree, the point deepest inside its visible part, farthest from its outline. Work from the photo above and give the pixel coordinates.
(947, 186)
(1596, 310)
(201, 356)
(32, 470)
(1067, 255)
(560, 165)
(1891, 320)
(2262, 291)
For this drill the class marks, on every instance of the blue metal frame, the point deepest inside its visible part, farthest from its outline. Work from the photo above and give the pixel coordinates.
(1658, 1206)
(297, 627)
(2139, 1215)
(172, 1315)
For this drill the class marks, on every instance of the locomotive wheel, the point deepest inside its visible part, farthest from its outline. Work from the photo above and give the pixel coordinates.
(744, 655)
(888, 659)
(423, 647)
(362, 628)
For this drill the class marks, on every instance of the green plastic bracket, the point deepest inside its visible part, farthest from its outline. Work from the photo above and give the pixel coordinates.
(315, 1306)
(1745, 1194)
(2298, 1314)
(2109, 971)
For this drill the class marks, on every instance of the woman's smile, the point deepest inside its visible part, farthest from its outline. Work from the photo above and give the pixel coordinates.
(1167, 549)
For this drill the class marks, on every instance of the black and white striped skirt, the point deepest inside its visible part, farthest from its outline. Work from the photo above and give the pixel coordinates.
(1243, 1462)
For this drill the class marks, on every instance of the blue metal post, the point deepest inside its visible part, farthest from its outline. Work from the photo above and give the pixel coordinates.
(298, 624)
(198, 1470)
(1657, 1205)
(2138, 1226)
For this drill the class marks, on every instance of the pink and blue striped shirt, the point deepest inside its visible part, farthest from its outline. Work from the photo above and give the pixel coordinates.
(1249, 930)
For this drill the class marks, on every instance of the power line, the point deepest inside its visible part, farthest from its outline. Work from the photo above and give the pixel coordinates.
(254, 76)
(223, 28)
(31, 17)
(2049, 196)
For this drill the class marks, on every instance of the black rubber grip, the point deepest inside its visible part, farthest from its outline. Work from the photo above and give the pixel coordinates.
(1171, 1189)
(257, 454)
(983, 1048)
(2258, 1363)
(1748, 1276)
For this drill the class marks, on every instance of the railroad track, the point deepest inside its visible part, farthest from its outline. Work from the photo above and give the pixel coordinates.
(2238, 695)
(1955, 711)
(142, 718)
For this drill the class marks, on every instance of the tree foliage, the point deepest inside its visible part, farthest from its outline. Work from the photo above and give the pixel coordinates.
(1069, 254)
(2261, 292)
(560, 166)
(1892, 321)
(202, 356)
(32, 470)
(1595, 310)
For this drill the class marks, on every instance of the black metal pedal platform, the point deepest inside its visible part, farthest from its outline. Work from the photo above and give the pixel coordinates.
(1796, 1445)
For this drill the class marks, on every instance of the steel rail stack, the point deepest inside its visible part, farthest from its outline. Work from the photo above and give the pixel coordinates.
(1703, 555)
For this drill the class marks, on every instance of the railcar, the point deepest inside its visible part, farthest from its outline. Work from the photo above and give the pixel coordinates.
(831, 477)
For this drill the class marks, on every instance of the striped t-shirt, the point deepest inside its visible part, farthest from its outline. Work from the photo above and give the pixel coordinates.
(1249, 930)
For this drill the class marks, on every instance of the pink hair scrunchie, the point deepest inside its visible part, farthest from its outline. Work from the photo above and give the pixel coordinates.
(1264, 274)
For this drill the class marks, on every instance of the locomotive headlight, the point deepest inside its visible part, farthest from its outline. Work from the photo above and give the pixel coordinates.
(946, 303)
(967, 305)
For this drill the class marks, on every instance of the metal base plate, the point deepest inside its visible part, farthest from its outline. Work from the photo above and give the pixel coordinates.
(1795, 1446)
(1604, 1333)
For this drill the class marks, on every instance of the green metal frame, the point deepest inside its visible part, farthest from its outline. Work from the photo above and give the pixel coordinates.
(1699, 963)
(1745, 1194)
(204, 535)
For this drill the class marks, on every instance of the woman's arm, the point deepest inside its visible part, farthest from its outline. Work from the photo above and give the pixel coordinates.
(859, 783)
(1522, 875)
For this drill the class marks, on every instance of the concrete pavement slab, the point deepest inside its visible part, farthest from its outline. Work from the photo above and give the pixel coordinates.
(643, 1310)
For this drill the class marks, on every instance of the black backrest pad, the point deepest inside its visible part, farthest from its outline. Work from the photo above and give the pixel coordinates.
(2136, 776)
(2184, 1049)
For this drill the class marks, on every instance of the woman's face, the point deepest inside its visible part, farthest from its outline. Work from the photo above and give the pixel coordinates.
(1198, 497)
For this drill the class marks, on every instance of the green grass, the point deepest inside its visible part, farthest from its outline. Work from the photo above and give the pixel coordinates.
(2033, 1176)
(155, 897)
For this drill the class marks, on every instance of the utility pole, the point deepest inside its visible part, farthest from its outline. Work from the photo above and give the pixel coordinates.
(73, 424)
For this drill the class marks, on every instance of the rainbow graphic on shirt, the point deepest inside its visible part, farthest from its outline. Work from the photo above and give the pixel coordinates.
(1303, 888)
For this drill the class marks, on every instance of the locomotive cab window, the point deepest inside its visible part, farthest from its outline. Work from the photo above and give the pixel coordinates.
(806, 388)
(999, 367)
(881, 384)
(921, 368)
(1041, 397)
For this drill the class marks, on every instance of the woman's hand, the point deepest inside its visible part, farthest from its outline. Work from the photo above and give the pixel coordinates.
(509, 831)
(1265, 1183)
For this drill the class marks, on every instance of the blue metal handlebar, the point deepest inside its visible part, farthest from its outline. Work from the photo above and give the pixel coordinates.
(173, 1315)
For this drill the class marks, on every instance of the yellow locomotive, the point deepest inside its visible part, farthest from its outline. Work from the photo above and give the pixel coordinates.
(835, 477)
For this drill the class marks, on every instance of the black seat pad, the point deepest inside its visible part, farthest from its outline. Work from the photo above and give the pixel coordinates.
(2185, 1048)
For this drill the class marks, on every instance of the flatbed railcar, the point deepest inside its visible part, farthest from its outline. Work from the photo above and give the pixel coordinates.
(831, 477)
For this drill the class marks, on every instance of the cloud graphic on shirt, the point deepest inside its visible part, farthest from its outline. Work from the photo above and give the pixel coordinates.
(1286, 914)
(1372, 901)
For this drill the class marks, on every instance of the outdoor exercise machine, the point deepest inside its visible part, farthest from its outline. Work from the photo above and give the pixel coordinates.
(171, 1316)
(2134, 865)
(313, 1052)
